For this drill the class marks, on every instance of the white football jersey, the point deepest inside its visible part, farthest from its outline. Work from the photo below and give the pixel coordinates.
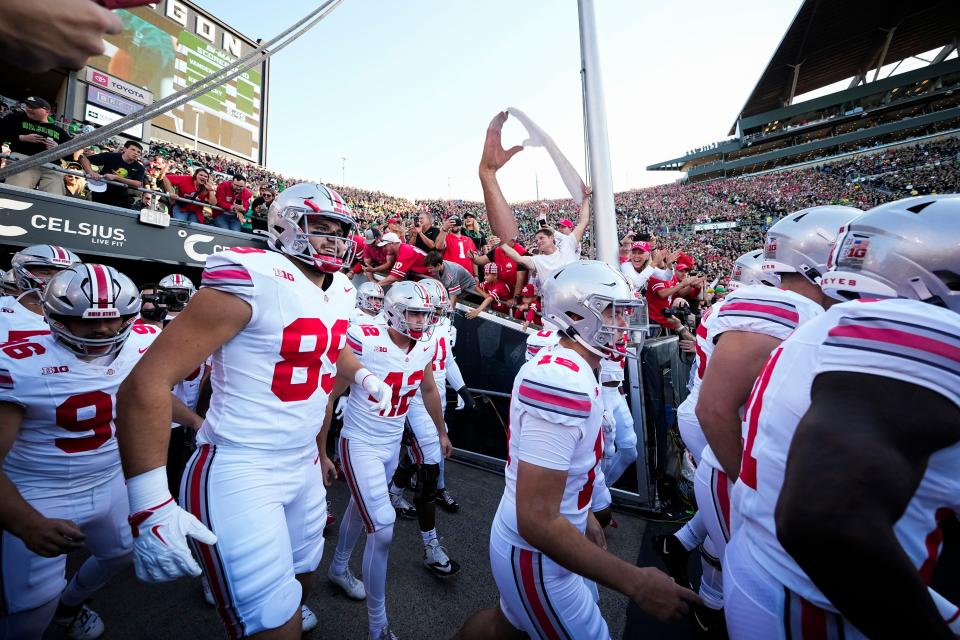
(557, 398)
(399, 368)
(16, 321)
(901, 339)
(360, 316)
(540, 339)
(758, 308)
(188, 389)
(271, 382)
(67, 439)
(612, 368)
(704, 350)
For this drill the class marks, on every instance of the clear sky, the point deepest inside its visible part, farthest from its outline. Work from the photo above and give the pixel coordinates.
(404, 89)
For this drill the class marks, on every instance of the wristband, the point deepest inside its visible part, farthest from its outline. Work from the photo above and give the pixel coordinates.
(362, 373)
(148, 490)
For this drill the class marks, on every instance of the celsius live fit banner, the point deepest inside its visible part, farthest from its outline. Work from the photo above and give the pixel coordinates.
(171, 46)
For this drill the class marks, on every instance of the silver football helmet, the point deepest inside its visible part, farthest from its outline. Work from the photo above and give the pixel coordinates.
(438, 293)
(801, 242)
(592, 303)
(902, 249)
(370, 297)
(90, 292)
(287, 230)
(747, 271)
(404, 297)
(8, 286)
(48, 256)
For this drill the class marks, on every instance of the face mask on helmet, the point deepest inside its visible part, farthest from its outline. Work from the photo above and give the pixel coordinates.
(311, 223)
(409, 310)
(438, 294)
(43, 257)
(616, 317)
(370, 297)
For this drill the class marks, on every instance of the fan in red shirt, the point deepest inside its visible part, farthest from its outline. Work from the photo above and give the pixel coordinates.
(529, 309)
(511, 273)
(195, 187)
(234, 198)
(408, 259)
(494, 292)
(456, 247)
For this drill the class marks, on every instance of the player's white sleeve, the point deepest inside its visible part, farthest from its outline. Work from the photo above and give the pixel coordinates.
(355, 339)
(909, 342)
(225, 271)
(554, 393)
(454, 377)
(8, 392)
(755, 311)
(547, 444)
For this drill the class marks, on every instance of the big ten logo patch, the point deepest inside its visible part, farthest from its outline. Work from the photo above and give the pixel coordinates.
(283, 275)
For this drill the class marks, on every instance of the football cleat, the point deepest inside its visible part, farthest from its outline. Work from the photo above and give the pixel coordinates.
(435, 559)
(308, 618)
(708, 622)
(350, 584)
(674, 556)
(385, 634)
(85, 624)
(331, 517)
(404, 509)
(446, 501)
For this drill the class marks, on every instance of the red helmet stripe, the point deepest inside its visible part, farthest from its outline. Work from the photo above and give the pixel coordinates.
(59, 253)
(101, 285)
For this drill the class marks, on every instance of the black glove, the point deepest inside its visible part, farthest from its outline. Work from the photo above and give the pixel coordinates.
(468, 402)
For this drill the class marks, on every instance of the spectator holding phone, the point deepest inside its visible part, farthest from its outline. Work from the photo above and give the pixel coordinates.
(456, 246)
(422, 233)
(260, 205)
(195, 187)
(29, 133)
(233, 198)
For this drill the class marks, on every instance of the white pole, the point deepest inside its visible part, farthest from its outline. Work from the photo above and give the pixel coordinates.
(600, 176)
(196, 129)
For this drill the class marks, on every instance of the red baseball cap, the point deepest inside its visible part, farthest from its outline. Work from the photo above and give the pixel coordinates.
(528, 291)
(640, 245)
(566, 222)
(393, 221)
(684, 262)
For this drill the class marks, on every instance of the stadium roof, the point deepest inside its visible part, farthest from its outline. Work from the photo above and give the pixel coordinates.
(831, 40)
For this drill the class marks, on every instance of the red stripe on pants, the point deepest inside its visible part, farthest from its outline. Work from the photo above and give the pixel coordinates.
(530, 589)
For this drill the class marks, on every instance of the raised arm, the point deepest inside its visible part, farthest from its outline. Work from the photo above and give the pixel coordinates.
(501, 218)
(584, 220)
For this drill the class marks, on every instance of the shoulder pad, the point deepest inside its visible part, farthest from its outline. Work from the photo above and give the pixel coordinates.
(557, 388)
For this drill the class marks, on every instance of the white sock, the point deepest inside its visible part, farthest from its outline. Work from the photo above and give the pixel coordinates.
(428, 536)
(692, 534)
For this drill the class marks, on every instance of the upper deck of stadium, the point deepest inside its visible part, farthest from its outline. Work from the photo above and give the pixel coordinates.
(846, 62)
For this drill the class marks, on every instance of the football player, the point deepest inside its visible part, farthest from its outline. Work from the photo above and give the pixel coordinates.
(274, 320)
(674, 549)
(369, 304)
(8, 283)
(538, 340)
(402, 355)
(851, 459)
(615, 404)
(751, 323)
(21, 313)
(538, 551)
(61, 484)
(424, 446)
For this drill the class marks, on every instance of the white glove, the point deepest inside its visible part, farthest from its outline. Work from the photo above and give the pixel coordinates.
(160, 529)
(341, 404)
(377, 388)
(609, 426)
(460, 403)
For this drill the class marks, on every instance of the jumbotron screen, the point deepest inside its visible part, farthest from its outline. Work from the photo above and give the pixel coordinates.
(171, 46)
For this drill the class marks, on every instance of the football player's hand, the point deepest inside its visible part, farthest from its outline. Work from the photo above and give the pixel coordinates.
(379, 391)
(659, 595)
(160, 551)
(341, 404)
(328, 469)
(50, 537)
(446, 448)
(468, 402)
(594, 532)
